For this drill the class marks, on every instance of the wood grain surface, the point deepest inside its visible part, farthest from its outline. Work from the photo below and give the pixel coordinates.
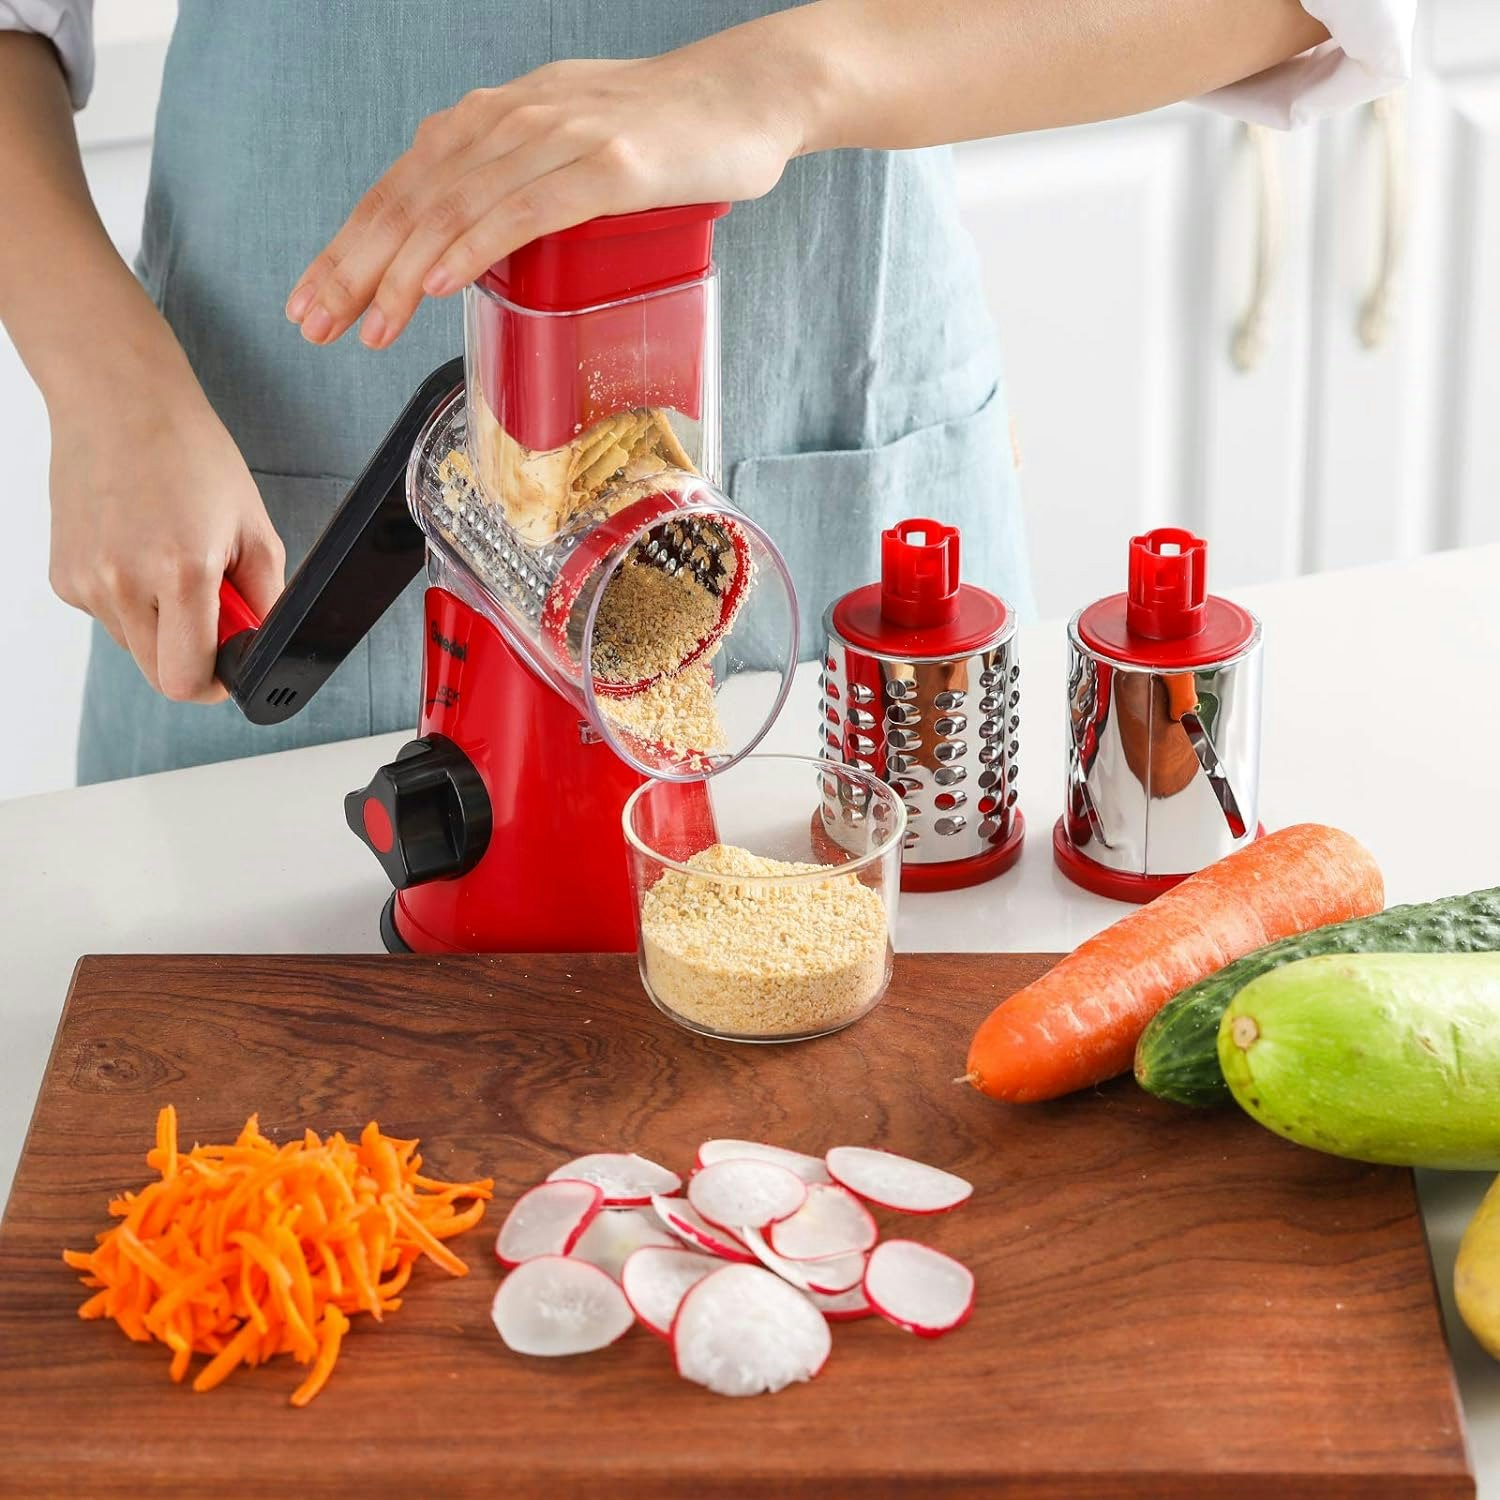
(1169, 1303)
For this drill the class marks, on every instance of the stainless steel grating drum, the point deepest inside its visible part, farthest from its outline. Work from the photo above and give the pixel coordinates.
(921, 685)
(1163, 745)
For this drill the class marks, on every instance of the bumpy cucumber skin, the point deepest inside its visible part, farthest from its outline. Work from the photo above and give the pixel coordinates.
(1382, 1057)
(1177, 1057)
(1476, 1273)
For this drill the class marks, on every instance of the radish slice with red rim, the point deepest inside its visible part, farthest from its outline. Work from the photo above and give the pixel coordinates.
(555, 1305)
(918, 1288)
(742, 1331)
(818, 1278)
(792, 1274)
(736, 1194)
(695, 1231)
(842, 1307)
(625, 1179)
(655, 1279)
(808, 1168)
(547, 1220)
(831, 1222)
(898, 1182)
(839, 1273)
(615, 1234)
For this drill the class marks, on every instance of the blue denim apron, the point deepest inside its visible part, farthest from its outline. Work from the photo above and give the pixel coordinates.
(861, 382)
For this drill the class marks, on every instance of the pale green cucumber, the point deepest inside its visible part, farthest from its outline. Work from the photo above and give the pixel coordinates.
(1383, 1057)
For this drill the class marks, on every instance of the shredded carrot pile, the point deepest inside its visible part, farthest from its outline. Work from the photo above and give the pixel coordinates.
(245, 1251)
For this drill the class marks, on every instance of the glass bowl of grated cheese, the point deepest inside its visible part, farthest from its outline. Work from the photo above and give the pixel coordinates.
(766, 896)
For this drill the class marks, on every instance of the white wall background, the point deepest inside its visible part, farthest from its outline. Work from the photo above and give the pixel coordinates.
(1120, 259)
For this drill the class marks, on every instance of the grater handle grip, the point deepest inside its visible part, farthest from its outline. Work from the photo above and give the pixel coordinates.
(367, 554)
(235, 614)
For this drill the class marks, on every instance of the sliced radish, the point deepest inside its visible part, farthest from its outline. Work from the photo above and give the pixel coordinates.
(839, 1273)
(911, 1187)
(625, 1179)
(742, 1331)
(820, 1278)
(831, 1222)
(793, 1275)
(808, 1168)
(918, 1288)
(693, 1229)
(843, 1307)
(656, 1278)
(547, 1220)
(555, 1305)
(615, 1234)
(733, 1194)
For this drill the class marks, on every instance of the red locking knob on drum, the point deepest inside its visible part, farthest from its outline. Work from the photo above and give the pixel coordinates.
(919, 574)
(1165, 600)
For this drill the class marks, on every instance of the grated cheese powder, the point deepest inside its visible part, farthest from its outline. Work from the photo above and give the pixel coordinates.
(650, 621)
(678, 713)
(753, 959)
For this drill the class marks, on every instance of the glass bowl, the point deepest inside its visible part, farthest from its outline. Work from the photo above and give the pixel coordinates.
(765, 896)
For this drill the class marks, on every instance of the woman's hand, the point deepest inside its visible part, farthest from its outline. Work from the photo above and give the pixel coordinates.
(151, 506)
(573, 140)
(151, 502)
(721, 118)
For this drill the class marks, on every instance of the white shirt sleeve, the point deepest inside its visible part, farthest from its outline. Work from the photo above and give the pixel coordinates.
(69, 26)
(1368, 54)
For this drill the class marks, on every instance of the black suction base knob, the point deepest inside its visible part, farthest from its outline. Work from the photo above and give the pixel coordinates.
(425, 816)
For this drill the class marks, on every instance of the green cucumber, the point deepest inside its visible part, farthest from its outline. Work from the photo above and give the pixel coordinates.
(1384, 1057)
(1177, 1056)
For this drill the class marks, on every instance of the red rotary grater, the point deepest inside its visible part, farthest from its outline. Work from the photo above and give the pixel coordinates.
(921, 684)
(590, 351)
(1164, 726)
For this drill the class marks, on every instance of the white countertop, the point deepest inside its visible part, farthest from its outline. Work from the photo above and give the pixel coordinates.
(1381, 716)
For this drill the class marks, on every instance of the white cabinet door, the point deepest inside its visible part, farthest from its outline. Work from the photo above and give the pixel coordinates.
(1405, 452)
(1117, 259)
(1247, 353)
(1381, 249)
(1465, 313)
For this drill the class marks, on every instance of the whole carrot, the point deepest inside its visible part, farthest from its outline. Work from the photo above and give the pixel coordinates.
(1078, 1024)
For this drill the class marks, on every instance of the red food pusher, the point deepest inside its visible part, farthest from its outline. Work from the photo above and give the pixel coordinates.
(500, 825)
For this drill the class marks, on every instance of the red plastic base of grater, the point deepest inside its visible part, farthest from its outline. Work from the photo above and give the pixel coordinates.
(956, 874)
(1117, 885)
(389, 933)
(951, 875)
(555, 794)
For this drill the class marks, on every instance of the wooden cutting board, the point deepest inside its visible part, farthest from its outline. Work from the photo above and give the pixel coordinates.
(1170, 1303)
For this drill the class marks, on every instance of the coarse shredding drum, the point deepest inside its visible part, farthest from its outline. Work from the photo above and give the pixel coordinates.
(1163, 744)
(921, 685)
(597, 611)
